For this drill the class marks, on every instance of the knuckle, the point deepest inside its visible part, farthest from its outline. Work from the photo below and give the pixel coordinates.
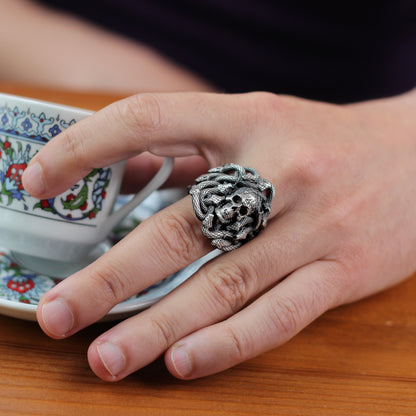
(164, 328)
(305, 164)
(241, 344)
(264, 100)
(143, 111)
(229, 285)
(111, 282)
(286, 316)
(73, 147)
(177, 238)
(271, 109)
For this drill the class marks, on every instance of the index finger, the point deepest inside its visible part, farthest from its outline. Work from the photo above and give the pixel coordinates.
(173, 124)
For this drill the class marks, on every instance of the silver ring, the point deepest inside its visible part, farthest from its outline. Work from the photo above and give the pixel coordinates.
(233, 203)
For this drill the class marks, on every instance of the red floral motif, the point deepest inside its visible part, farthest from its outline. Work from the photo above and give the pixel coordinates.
(6, 145)
(21, 285)
(70, 197)
(15, 173)
(91, 214)
(83, 207)
(44, 203)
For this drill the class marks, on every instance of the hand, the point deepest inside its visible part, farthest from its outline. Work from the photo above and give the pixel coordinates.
(342, 225)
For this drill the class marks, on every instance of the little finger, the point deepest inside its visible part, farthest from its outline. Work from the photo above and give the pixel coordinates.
(267, 323)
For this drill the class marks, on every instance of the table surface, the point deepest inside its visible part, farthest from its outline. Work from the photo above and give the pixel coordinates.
(358, 359)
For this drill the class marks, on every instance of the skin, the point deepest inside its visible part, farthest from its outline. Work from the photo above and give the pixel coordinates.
(342, 225)
(50, 48)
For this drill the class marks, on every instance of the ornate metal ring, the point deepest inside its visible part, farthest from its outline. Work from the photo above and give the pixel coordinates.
(233, 204)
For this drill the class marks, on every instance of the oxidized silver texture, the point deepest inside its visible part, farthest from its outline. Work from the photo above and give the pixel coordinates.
(233, 204)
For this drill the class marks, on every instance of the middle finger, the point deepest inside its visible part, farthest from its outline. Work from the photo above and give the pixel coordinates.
(163, 244)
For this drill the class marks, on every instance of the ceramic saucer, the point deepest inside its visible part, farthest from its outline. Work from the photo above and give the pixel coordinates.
(55, 268)
(21, 287)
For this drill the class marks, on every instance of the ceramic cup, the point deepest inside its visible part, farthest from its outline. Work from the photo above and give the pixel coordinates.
(69, 227)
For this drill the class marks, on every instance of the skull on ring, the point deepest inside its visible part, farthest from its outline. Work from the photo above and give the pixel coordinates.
(240, 205)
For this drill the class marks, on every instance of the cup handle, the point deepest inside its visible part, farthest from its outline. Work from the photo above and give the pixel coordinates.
(155, 183)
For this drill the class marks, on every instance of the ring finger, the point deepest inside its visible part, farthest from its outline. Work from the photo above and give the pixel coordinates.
(160, 246)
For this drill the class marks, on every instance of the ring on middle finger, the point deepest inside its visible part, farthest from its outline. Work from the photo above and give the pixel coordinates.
(233, 203)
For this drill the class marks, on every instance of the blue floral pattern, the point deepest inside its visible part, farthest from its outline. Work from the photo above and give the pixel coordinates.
(22, 133)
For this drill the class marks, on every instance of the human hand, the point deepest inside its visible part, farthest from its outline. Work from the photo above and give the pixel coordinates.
(131, 66)
(342, 224)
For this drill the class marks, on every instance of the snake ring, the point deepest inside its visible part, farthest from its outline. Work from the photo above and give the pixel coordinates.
(233, 203)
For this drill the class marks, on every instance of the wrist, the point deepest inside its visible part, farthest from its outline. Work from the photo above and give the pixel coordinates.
(392, 116)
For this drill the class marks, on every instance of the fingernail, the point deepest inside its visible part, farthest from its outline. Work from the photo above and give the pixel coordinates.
(33, 179)
(112, 358)
(181, 361)
(57, 318)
